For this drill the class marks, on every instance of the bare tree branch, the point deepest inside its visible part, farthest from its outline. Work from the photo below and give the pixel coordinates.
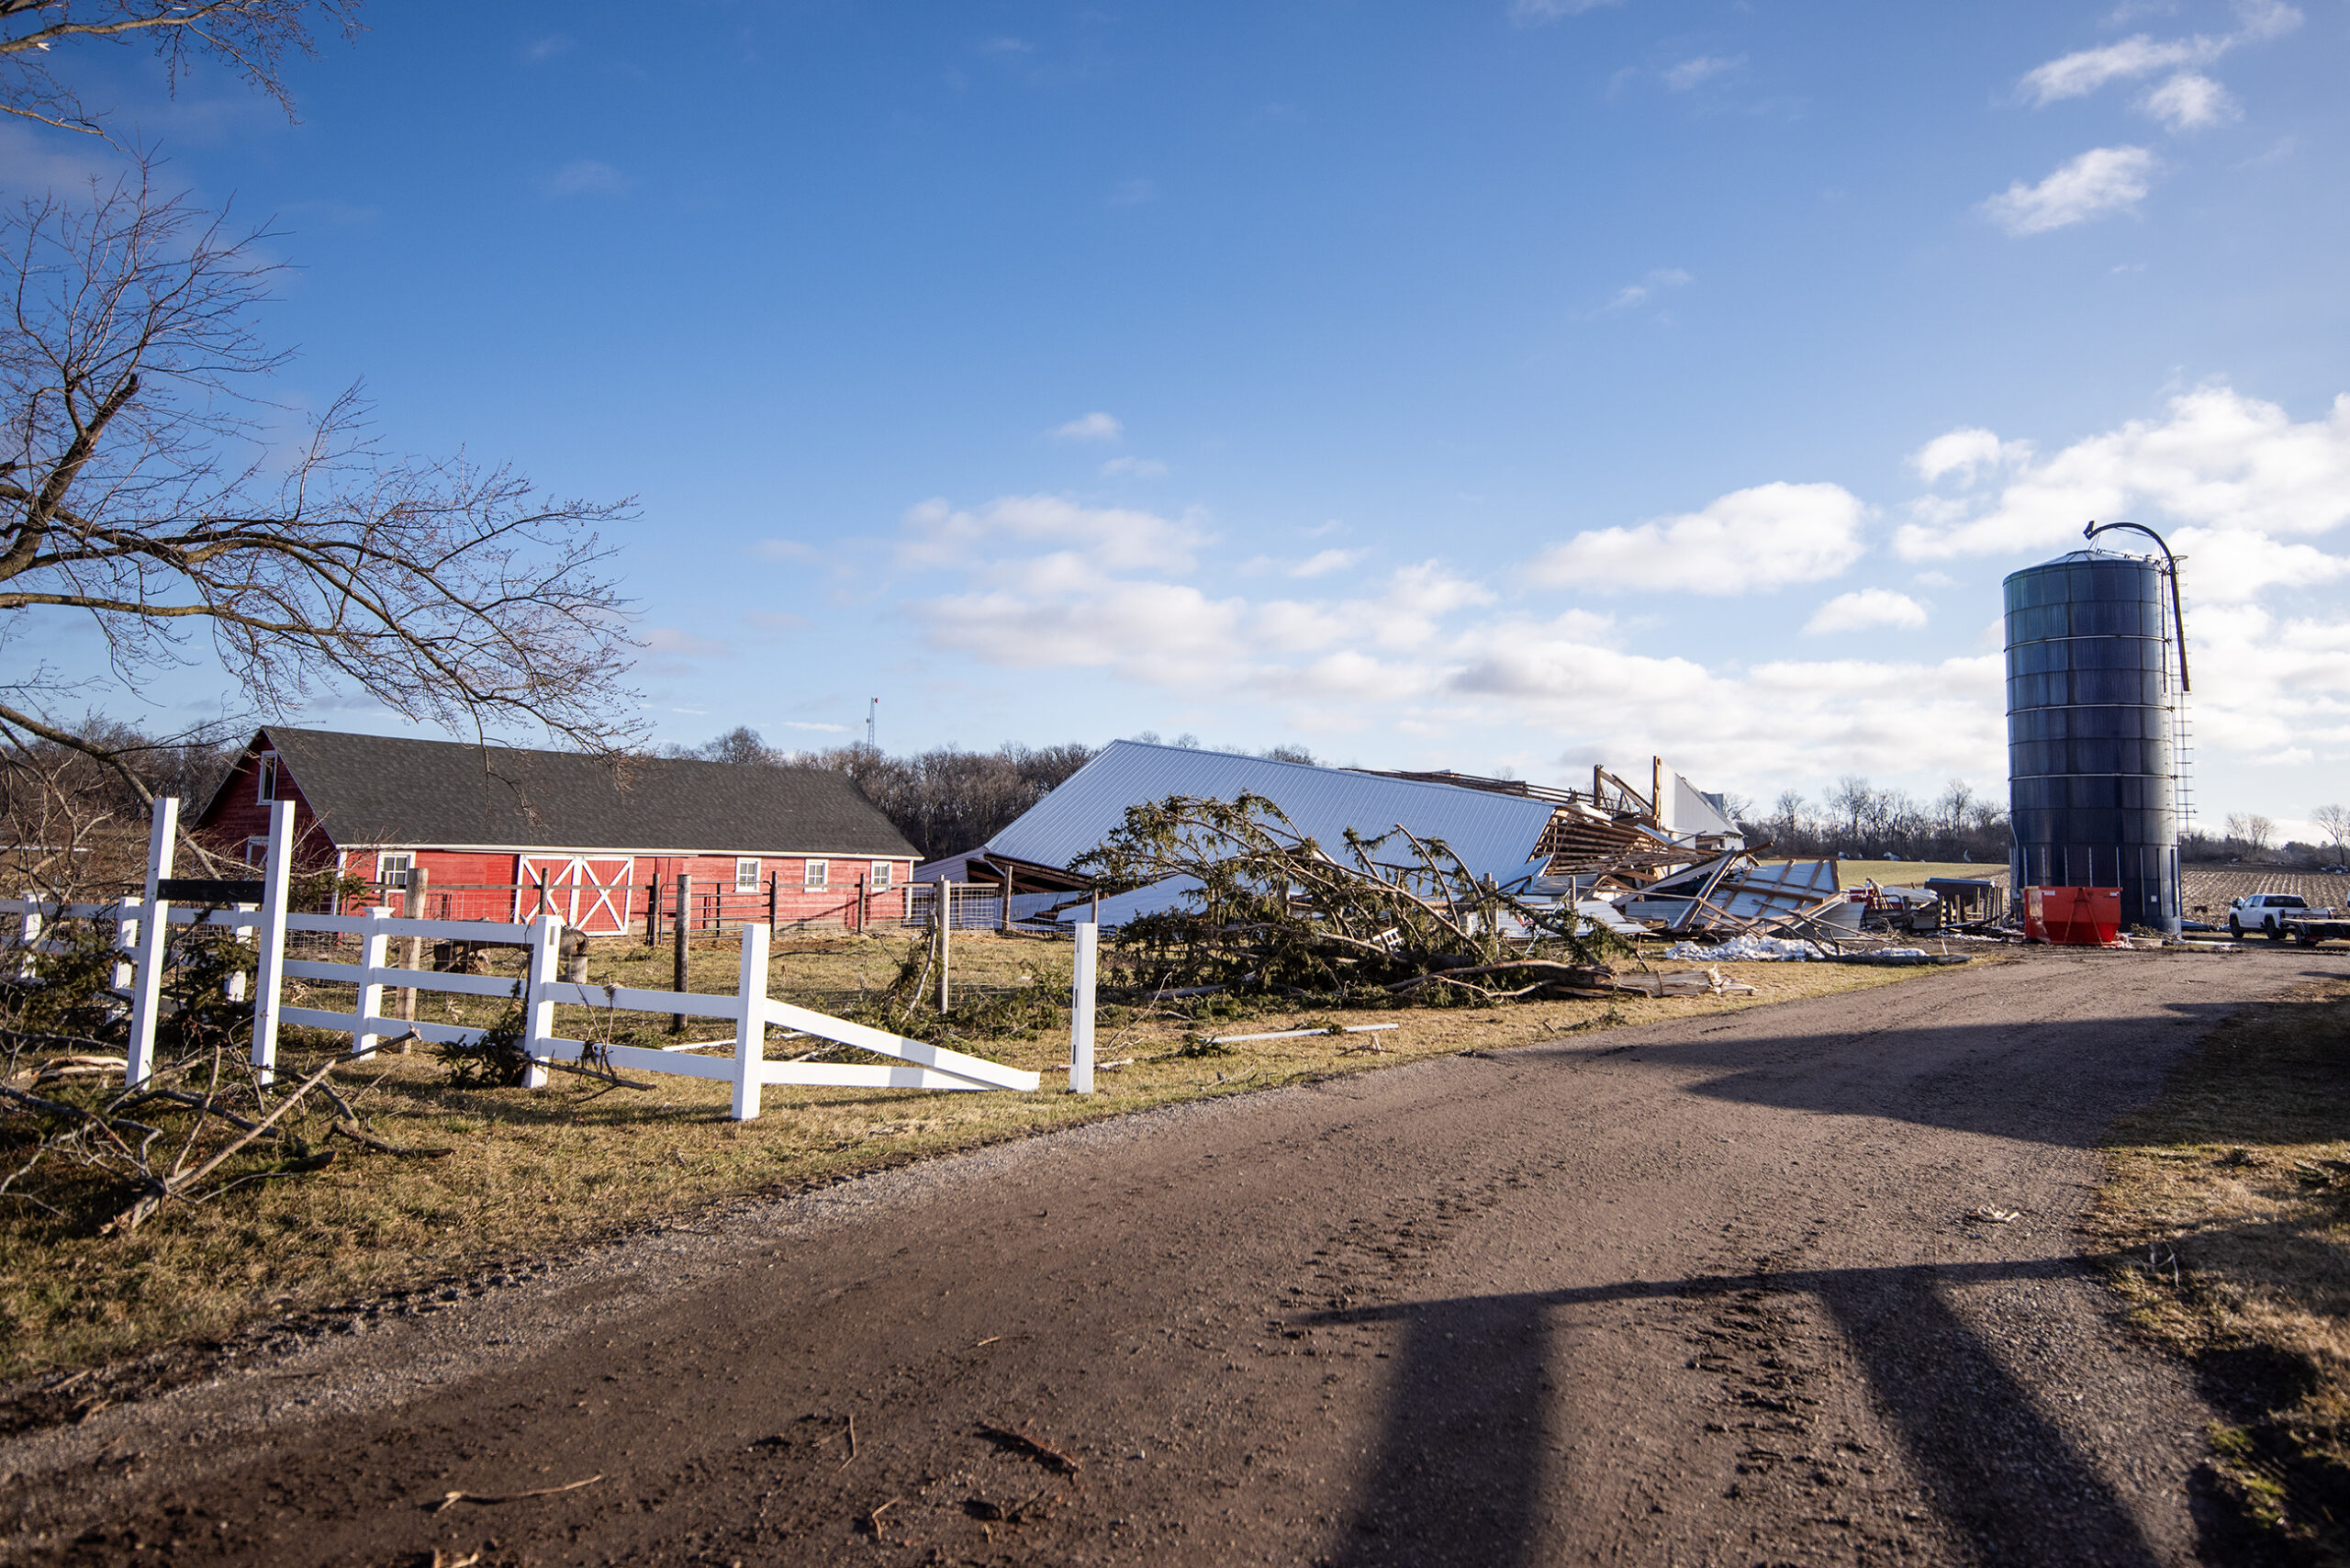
(254, 37)
(148, 489)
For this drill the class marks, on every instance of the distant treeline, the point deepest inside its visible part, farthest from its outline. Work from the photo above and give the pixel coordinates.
(1858, 818)
(944, 800)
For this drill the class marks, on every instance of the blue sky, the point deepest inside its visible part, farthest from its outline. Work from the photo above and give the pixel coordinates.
(1492, 385)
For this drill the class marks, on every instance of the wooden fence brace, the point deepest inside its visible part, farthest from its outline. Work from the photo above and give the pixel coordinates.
(269, 974)
(538, 1006)
(1080, 1015)
(685, 918)
(155, 939)
(946, 939)
(860, 906)
(750, 1022)
(419, 883)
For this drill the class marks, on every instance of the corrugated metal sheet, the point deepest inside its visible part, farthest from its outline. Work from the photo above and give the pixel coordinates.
(1493, 834)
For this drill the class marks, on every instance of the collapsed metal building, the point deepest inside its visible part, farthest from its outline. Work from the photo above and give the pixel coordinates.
(1666, 858)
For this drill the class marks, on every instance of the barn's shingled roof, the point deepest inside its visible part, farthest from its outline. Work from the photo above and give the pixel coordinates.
(382, 790)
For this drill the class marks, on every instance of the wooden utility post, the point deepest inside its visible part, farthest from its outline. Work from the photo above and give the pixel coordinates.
(420, 882)
(1005, 914)
(775, 881)
(685, 917)
(946, 939)
(652, 912)
(860, 906)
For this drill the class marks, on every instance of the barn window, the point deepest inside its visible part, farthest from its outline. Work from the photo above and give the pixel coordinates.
(819, 874)
(747, 875)
(880, 876)
(266, 787)
(391, 872)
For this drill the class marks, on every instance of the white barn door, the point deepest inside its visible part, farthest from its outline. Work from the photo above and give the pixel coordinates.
(591, 892)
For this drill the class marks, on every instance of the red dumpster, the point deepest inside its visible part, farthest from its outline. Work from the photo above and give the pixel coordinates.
(2073, 917)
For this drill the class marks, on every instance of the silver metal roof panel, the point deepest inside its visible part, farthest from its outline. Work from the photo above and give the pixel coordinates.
(1493, 834)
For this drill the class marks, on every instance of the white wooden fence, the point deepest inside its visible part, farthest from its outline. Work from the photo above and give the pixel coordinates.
(139, 921)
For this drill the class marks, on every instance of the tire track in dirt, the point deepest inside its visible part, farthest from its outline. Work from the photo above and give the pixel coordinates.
(1692, 1294)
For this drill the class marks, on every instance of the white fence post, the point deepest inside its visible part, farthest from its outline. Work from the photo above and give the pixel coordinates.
(374, 952)
(29, 933)
(751, 1023)
(154, 944)
(1080, 1017)
(127, 928)
(268, 968)
(538, 1007)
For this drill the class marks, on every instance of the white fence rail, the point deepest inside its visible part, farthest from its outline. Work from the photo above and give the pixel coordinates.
(914, 1064)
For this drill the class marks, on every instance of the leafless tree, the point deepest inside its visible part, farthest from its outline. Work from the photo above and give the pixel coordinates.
(2334, 823)
(2252, 832)
(147, 489)
(253, 37)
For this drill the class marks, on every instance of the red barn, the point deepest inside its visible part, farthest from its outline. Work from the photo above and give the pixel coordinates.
(505, 834)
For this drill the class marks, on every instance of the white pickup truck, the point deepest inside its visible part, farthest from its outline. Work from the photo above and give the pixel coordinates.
(2279, 917)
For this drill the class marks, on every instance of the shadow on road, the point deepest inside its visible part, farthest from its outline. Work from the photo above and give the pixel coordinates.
(1458, 1474)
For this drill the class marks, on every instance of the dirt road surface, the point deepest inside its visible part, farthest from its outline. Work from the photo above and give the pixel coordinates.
(1702, 1293)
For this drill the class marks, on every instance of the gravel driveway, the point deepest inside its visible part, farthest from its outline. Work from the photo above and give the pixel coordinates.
(1712, 1291)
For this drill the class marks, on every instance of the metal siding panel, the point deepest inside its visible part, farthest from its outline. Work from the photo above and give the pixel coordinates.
(1493, 834)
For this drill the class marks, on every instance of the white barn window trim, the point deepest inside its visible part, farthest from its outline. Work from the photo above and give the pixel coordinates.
(817, 876)
(881, 875)
(746, 874)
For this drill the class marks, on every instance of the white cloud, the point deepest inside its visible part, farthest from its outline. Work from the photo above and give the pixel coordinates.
(2191, 101)
(821, 729)
(1095, 426)
(1649, 287)
(1094, 539)
(1008, 47)
(1133, 468)
(1859, 611)
(1967, 452)
(783, 550)
(1530, 13)
(2219, 460)
(685, 644)
(586, 176)
(2230, 565)
(1322, 562)
(547, 48)
(2267, 19)
(1133, 193)
(1749, 540)
(2101, 181)
(2079, 75)
(1704, 68)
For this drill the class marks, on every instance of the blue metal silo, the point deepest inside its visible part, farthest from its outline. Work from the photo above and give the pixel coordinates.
(2092, 768)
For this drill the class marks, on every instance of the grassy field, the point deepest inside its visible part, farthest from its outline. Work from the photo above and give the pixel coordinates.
(534, 1172)
(2226, 1206)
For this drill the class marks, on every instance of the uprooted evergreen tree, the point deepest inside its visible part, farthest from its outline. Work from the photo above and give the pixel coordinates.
(1269, 910)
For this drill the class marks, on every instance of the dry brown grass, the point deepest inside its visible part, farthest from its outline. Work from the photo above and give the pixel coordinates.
(2227, 1204)
(535, 1172)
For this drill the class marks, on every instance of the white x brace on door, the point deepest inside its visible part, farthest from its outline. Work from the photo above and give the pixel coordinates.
(589, 892)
